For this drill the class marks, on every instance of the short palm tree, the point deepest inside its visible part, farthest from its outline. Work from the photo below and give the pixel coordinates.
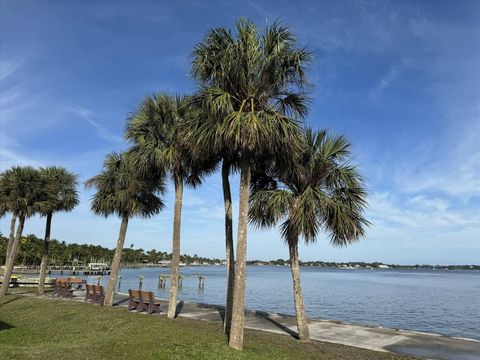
(120, 191)
(4, 209)
(154, 129)
(22, 192)
(11, 236)
(318, 190)
(253, 85)
(60, 195)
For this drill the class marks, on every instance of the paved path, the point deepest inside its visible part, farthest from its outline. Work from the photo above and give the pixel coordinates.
(430, 346)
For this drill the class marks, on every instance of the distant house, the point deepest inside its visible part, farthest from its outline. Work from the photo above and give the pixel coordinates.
(382, 266)
(164, 263)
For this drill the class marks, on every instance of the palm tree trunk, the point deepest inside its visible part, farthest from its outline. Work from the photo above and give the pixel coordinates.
(115, 269)
(229, 259)
(175, 262)
(11, 260)
(11, 238)
(238, 311)
(43, 265)
(302, 323)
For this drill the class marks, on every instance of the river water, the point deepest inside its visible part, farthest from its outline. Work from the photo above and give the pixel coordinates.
(443, 302)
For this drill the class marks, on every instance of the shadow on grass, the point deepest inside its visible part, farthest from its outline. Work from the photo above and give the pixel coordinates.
(14, 298)
(4, 326)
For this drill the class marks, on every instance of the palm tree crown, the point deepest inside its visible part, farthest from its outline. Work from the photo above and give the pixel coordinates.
(318, 190)
(154, 128)
(121, 192)
(22, 190)
(252, 86)
(61, 189)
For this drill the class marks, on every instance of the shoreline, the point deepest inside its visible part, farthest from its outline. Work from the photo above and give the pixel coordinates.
(340, 322)
(367, 337)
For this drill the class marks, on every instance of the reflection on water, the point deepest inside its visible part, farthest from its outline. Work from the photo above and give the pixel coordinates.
(445, 302)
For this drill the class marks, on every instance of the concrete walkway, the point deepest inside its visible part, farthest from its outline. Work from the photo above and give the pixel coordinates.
(424, 345)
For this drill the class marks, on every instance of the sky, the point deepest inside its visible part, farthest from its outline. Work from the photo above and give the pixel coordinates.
(400, 79)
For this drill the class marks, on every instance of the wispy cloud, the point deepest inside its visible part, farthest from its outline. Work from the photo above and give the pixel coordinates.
(450, 165)
(9, 66)
(100, 130)
(9, 158)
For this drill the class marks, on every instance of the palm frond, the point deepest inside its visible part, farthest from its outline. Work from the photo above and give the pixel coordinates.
(267, 207)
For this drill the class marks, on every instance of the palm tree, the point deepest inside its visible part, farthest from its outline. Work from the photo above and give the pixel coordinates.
(254, 86)
(4, 209)
(202, 140)
(318, 190)
(120, 191)
(61, 195)
(154, 128)
(22, 191)
(11, 238)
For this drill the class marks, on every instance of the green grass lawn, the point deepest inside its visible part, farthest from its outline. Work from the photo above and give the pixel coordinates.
(43, 328)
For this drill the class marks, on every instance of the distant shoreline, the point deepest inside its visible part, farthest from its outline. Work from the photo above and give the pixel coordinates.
(339, 266)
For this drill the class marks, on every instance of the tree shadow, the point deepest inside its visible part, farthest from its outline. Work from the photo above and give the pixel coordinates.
(120, 301)
(4, 326)
(283, 327)
(179, 308)
(221, 312)
(10, 300)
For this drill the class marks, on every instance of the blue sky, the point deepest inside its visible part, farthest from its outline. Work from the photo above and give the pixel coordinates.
(400, 79)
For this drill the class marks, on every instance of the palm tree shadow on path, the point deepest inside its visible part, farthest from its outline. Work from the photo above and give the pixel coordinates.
(179, 308)
(282, 327)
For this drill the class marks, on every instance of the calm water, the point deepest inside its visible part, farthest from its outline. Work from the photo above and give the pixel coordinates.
(444, 302)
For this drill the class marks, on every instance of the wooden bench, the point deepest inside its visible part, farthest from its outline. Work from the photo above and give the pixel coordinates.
(143, 300)
(98, 295)
(75, 283)
(89, 293)
(62, 288)
(94, 294)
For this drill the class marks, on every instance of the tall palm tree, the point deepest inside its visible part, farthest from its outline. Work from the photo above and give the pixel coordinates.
(256, 85)
(120, 191)
(22, 191)
(61, 195)
(203, 140)
(154, 129)
(318, 190)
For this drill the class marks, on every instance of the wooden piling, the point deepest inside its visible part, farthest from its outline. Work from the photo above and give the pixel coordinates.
(162, 281)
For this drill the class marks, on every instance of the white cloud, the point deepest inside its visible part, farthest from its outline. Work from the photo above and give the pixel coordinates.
(419, 213)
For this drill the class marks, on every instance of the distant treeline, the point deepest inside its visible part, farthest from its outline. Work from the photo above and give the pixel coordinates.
(61, 253)
(364, 265)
